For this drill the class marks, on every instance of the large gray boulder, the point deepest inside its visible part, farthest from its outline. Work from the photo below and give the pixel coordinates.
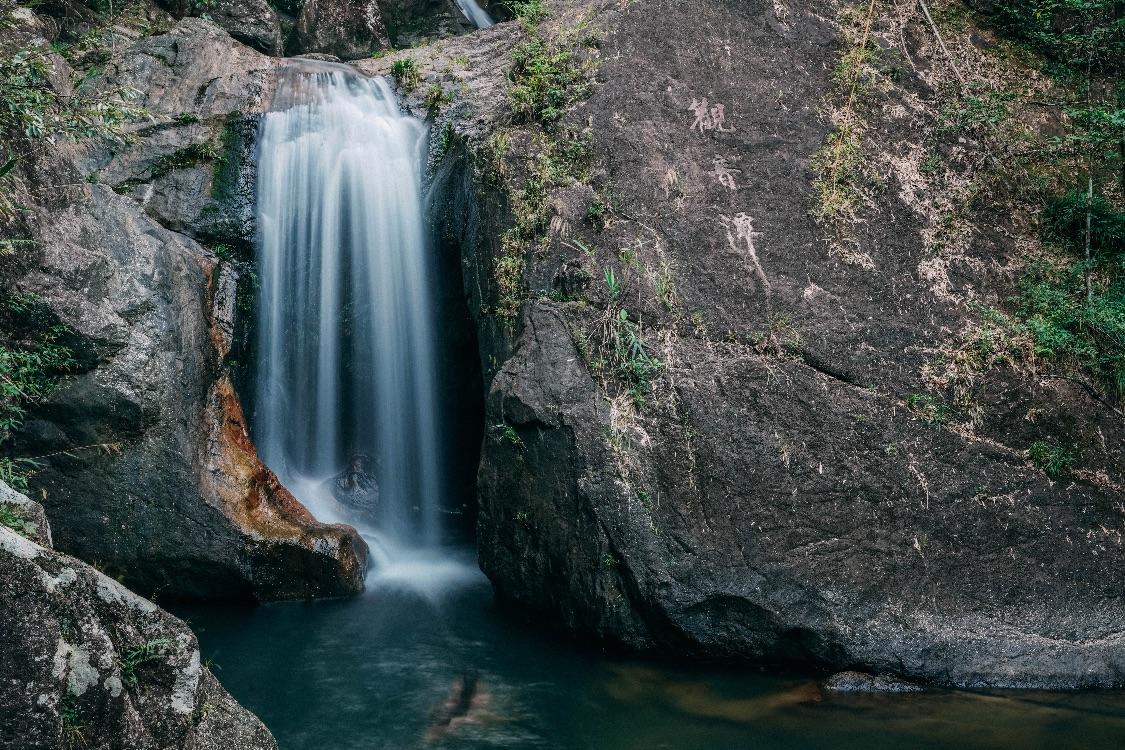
(253, 22)
(348, 29)
(787, 490)
(84, 662)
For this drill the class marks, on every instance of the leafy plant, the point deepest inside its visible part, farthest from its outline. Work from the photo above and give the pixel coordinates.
(931, 410)
(502, 432)
(135, 657)
(612, 285)
(436, 98)
(11, 519)
(33, 114)
(1054, 459)
(188, 156)
(32, 359)
(632, 362)
(1070, 325)
(406, 72)
(528, 11)
(1064, 218)
(544, 80)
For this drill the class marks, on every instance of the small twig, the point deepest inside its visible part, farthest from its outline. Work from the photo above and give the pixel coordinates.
(941, 41)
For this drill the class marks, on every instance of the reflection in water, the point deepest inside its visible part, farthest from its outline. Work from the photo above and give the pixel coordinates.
(394, 669)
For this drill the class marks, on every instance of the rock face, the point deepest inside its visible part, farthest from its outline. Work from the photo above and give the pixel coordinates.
(776, 494)
(252, 22)
(348, 29)
(151, 471)
(84, 662)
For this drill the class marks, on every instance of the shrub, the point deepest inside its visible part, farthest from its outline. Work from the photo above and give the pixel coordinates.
(1064, 221)
(544, 80)
(406, 73)
(1067, 323)
(1054, 459)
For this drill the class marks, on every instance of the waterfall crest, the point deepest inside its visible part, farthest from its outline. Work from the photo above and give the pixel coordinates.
(345, 384)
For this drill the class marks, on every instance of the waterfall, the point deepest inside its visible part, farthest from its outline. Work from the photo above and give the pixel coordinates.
(475, 13)
(345, 377)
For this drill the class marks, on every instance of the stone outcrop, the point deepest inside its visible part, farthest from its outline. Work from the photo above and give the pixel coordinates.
(253, 22)
(348, 29)
(84, 662)
(150, 470)
(776, 493)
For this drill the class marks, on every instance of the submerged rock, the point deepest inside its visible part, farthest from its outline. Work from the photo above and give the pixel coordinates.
(861, 682)
(358, 487)
(84, 662)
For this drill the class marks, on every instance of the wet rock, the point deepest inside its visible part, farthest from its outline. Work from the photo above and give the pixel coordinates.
(84, 662)
(861, 682)
(358, 487)
(348, 29)
(151, 471)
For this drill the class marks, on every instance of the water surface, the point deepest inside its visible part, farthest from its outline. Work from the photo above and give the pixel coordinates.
(373, 671)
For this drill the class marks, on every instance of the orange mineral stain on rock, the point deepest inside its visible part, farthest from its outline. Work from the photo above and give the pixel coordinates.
(331, 558)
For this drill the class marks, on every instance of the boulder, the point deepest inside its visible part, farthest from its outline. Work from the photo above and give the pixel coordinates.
(348, 29)
(777, 492)
(252, 22)
(23, 516)
(84, 662)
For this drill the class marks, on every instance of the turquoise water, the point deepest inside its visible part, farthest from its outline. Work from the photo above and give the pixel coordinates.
(374, 672)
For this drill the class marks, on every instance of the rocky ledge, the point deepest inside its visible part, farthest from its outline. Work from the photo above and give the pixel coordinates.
(86, 663)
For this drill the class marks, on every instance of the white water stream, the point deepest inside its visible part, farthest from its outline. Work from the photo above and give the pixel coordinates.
(475, 13)
(345, 388)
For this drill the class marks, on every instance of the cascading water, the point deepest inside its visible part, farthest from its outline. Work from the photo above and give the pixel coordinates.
(478, 15)
(345, 390)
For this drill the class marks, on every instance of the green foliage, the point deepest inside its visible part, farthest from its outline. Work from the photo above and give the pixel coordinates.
(32, 359)
(978, 108)
(135, 657)
(74, 731)
(530, 12)
(407, 73)
(1069, 323)
(1073, 33)
(612, 285)
(188, 156)
(1064, 220)
(544, 80)
(632, 362)
(931, 410)
(501, 433)
(11, 519)
(1054, 459)
(436, 98)
(33, 114)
